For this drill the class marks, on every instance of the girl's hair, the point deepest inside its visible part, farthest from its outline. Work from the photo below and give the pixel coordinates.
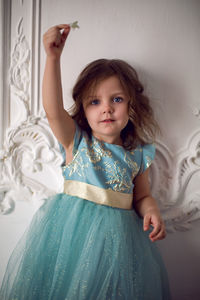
(141, 127)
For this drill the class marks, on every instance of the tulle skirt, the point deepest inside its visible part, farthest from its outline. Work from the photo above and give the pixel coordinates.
(75, 249)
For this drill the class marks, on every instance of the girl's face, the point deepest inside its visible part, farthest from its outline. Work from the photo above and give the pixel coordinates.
(107, 110)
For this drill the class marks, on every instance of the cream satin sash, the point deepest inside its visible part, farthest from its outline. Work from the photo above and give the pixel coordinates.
(97, 194)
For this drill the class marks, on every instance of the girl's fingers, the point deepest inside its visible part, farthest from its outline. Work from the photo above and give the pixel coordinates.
(56, 36)
(57, 28)
(161, 235)
(155, 221)
(156, 229)
(146, 222)
(56, 31)
(54, 40)
(158, 233)
(62, 26)
(65, 34)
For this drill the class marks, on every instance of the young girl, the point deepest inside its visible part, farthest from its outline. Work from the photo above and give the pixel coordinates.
(95, 240)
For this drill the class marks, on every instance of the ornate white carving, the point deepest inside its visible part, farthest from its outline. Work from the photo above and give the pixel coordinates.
(178, 178)
(29, 151)
(162, 175)
(196, 112)
(20, 74)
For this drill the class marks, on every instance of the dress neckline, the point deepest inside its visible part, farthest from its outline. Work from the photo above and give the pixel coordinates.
(110, 144)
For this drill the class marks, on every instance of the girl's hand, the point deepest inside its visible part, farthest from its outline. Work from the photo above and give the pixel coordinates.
(153, 218)
(54, 40)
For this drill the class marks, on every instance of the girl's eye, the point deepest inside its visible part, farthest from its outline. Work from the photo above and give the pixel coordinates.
(117, 99)
(95, 102)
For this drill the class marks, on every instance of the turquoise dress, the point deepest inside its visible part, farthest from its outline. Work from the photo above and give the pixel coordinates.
(88, 243)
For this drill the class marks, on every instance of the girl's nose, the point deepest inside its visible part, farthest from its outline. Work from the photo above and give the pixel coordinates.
(108, 108)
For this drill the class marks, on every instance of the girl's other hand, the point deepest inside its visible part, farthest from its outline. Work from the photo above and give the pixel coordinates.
(153, 218)
(54, 40)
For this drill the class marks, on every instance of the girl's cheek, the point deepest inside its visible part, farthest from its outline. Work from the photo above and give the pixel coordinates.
(92, 108)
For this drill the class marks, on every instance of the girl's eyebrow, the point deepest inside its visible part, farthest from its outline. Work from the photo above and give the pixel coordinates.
(112, 95)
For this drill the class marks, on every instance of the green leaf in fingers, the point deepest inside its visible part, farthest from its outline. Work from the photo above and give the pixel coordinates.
(74, 25)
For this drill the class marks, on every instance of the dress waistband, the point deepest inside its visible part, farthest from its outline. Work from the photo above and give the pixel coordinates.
(98, 195)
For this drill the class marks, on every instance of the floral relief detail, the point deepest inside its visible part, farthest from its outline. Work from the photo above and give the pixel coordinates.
(20, 72)
(175, 184)
(196, 112)
(28, 150)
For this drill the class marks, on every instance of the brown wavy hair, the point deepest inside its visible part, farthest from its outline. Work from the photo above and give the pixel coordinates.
(141, 127)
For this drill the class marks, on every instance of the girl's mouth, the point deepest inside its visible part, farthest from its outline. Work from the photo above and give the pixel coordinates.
(108, 121)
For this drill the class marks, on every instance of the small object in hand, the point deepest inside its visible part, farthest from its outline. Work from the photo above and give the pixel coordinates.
(74, 25)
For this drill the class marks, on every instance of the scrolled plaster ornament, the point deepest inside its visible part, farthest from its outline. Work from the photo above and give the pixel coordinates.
(180, 217)
(162, 175)
(20, 74)
(188, 160)
(196, 112)
(10, 193)
(30, 155)
(183, 196)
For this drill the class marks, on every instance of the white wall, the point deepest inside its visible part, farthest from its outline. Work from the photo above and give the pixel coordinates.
(160, 39)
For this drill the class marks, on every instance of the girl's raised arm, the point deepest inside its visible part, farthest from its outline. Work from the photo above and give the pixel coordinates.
(60, 121)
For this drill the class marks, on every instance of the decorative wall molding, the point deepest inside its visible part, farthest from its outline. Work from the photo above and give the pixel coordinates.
(196, 112)
(1, 69)
(29, 150)
(5, 32)
(177, 184)
(20, 74)
(35, 57)
(28, 142)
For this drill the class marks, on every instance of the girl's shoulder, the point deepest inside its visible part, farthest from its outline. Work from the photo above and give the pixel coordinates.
(148, 149)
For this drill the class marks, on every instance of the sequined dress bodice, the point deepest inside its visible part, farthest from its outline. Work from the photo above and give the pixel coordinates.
(105, 165)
